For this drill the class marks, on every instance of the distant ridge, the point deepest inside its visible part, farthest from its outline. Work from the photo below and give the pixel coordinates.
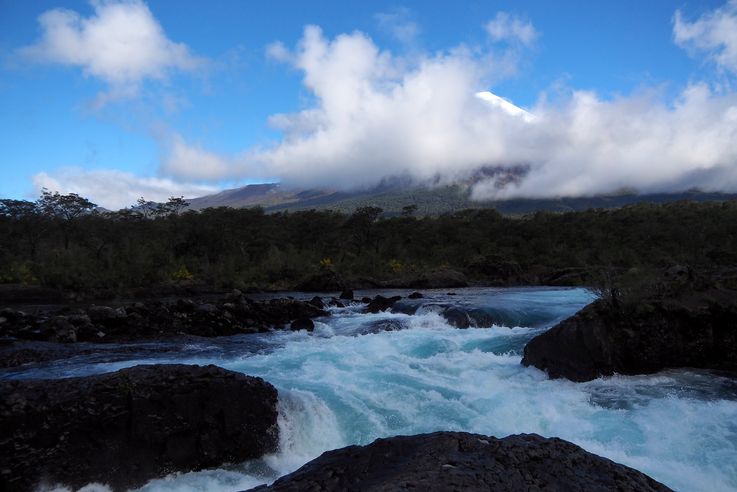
(393, 196)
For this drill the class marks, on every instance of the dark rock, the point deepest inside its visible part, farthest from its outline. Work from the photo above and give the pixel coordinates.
(206, 308)
(234, 295)
(415, 295)
(335, 303)
(365, 300)
(457, 317)
(381, 325)
(128, 427)
(381, 303)
(460, 461)
(695, 330)
(232, 314)
(405, 307)
(347, 294)
(317, 302)
(101, 314)
(185, 305)
(302, 324)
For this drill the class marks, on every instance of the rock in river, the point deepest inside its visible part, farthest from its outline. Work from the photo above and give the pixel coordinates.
(460, 461)
(127, 427)
(692, 329)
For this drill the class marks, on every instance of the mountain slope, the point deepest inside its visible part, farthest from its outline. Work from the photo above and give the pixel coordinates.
(392, 197)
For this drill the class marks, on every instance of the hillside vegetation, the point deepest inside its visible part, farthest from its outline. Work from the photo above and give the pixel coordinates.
(61, 241)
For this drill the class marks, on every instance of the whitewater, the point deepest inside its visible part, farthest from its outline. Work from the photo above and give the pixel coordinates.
(361, 376)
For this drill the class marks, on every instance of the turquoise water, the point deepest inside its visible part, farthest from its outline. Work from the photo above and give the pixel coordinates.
(346, 383)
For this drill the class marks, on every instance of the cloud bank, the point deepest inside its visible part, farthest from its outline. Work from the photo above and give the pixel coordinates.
(430, 117)
(377, 114)
(121, 43)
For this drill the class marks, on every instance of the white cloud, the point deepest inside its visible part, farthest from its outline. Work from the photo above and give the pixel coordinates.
(587, 145)
(377, 115)
(121, 43)
(714, 33)
(398, 23)
(510, 27)
(116, 189)
(193, 162)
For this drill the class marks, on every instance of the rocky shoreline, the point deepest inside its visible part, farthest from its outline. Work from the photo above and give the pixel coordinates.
(231, 314)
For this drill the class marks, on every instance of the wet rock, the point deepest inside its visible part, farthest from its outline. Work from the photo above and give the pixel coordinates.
(302, 324)
(128, 427)
(347, 294)
(460, 461)
(415, 295)
(457, 317)
(382, 325)
(405, 307)
(336, 303)
(317, 302)
(695, 329)
(381, 303)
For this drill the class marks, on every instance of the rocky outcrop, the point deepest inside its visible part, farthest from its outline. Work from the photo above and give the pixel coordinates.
(133, 425)
(381, 303)
(695, 329)
(460, 461)
(229, 315)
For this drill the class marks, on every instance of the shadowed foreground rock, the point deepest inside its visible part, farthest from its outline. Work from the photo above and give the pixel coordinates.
(130, 426)
(460, 461)
(695, 329)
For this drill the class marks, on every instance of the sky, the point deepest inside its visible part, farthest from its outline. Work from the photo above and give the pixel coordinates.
(116, 100)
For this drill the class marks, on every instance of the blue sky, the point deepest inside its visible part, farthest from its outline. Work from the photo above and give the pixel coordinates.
(198, 115)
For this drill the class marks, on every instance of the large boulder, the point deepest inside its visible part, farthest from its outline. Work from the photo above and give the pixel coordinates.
(460, 461)
(698, 329)
(130, 426)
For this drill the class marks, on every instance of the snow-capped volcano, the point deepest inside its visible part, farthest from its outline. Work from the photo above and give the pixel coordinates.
(504, 105)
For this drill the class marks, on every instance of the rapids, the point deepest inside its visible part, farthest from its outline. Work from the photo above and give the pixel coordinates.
(350, 382)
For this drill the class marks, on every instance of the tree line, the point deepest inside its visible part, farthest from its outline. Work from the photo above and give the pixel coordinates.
(65, 241)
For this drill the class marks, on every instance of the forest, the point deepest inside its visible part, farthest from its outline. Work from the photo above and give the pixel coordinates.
(65, 241)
